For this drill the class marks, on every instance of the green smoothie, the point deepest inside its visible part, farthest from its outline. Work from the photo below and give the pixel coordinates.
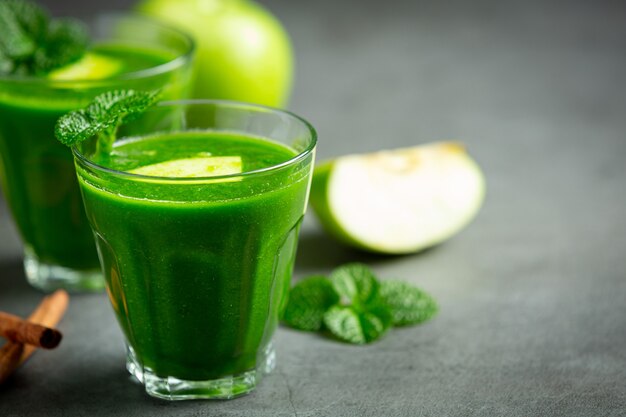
(37, 172)
(197, 268)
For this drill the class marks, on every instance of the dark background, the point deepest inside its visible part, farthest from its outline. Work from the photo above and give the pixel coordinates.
(532, 294)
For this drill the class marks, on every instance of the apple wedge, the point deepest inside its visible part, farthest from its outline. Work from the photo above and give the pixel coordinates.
(91, 66)
(209, 166)
(398, 201)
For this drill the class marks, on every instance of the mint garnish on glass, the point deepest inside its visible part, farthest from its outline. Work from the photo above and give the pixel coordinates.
(31, 43)
(103, 116)
(354, 306)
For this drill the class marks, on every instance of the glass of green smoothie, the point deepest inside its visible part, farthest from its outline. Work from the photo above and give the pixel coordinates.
(196, 212)
(37, 172)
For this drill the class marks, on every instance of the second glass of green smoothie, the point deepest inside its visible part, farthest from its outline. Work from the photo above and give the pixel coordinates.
(37, 172)
(196, 217)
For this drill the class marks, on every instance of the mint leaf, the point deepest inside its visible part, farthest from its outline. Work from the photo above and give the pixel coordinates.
(123, 105)
(21, 24)
(407, 304)
(308, 301)
(103, 116)
(356, 284)
(6, 63)
(354, 326)
(65, 43)
(32, 44)
(30, 16)
(75, 127)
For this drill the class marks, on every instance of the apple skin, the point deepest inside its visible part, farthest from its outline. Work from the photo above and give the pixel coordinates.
(243, 52)
(319, 202)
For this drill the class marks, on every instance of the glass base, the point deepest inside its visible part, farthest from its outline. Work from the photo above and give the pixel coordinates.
(48, 277)
(174, 389)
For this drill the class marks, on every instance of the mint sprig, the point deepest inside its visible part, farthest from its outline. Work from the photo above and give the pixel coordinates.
(31, 43)
(103, 116)
(354, 306)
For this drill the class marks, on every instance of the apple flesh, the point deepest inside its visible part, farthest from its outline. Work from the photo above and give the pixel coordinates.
(399, 201)
(90, 66)
(243, 52)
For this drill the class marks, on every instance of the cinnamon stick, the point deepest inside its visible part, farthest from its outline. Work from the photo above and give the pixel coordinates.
(18, 330)
(48, 313)
(10, 355)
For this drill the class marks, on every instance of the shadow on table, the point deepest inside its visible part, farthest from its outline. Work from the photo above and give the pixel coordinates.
(317, 252)
(101, 390)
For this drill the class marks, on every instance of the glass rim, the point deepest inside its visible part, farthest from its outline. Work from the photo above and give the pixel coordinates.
(177, 62)
(301, 155)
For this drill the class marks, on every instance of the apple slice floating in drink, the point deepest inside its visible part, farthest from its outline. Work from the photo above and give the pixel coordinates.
(209, 166)
(398, 201)
(91, 66)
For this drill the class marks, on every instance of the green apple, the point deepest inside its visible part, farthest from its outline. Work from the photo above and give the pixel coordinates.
(243, 52)
(399, 201)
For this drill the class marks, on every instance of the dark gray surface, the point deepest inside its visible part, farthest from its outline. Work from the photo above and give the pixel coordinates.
(532, 294)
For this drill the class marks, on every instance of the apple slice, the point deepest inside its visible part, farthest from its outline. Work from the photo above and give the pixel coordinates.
(398, 201)
(197, 167)
(91, 66)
